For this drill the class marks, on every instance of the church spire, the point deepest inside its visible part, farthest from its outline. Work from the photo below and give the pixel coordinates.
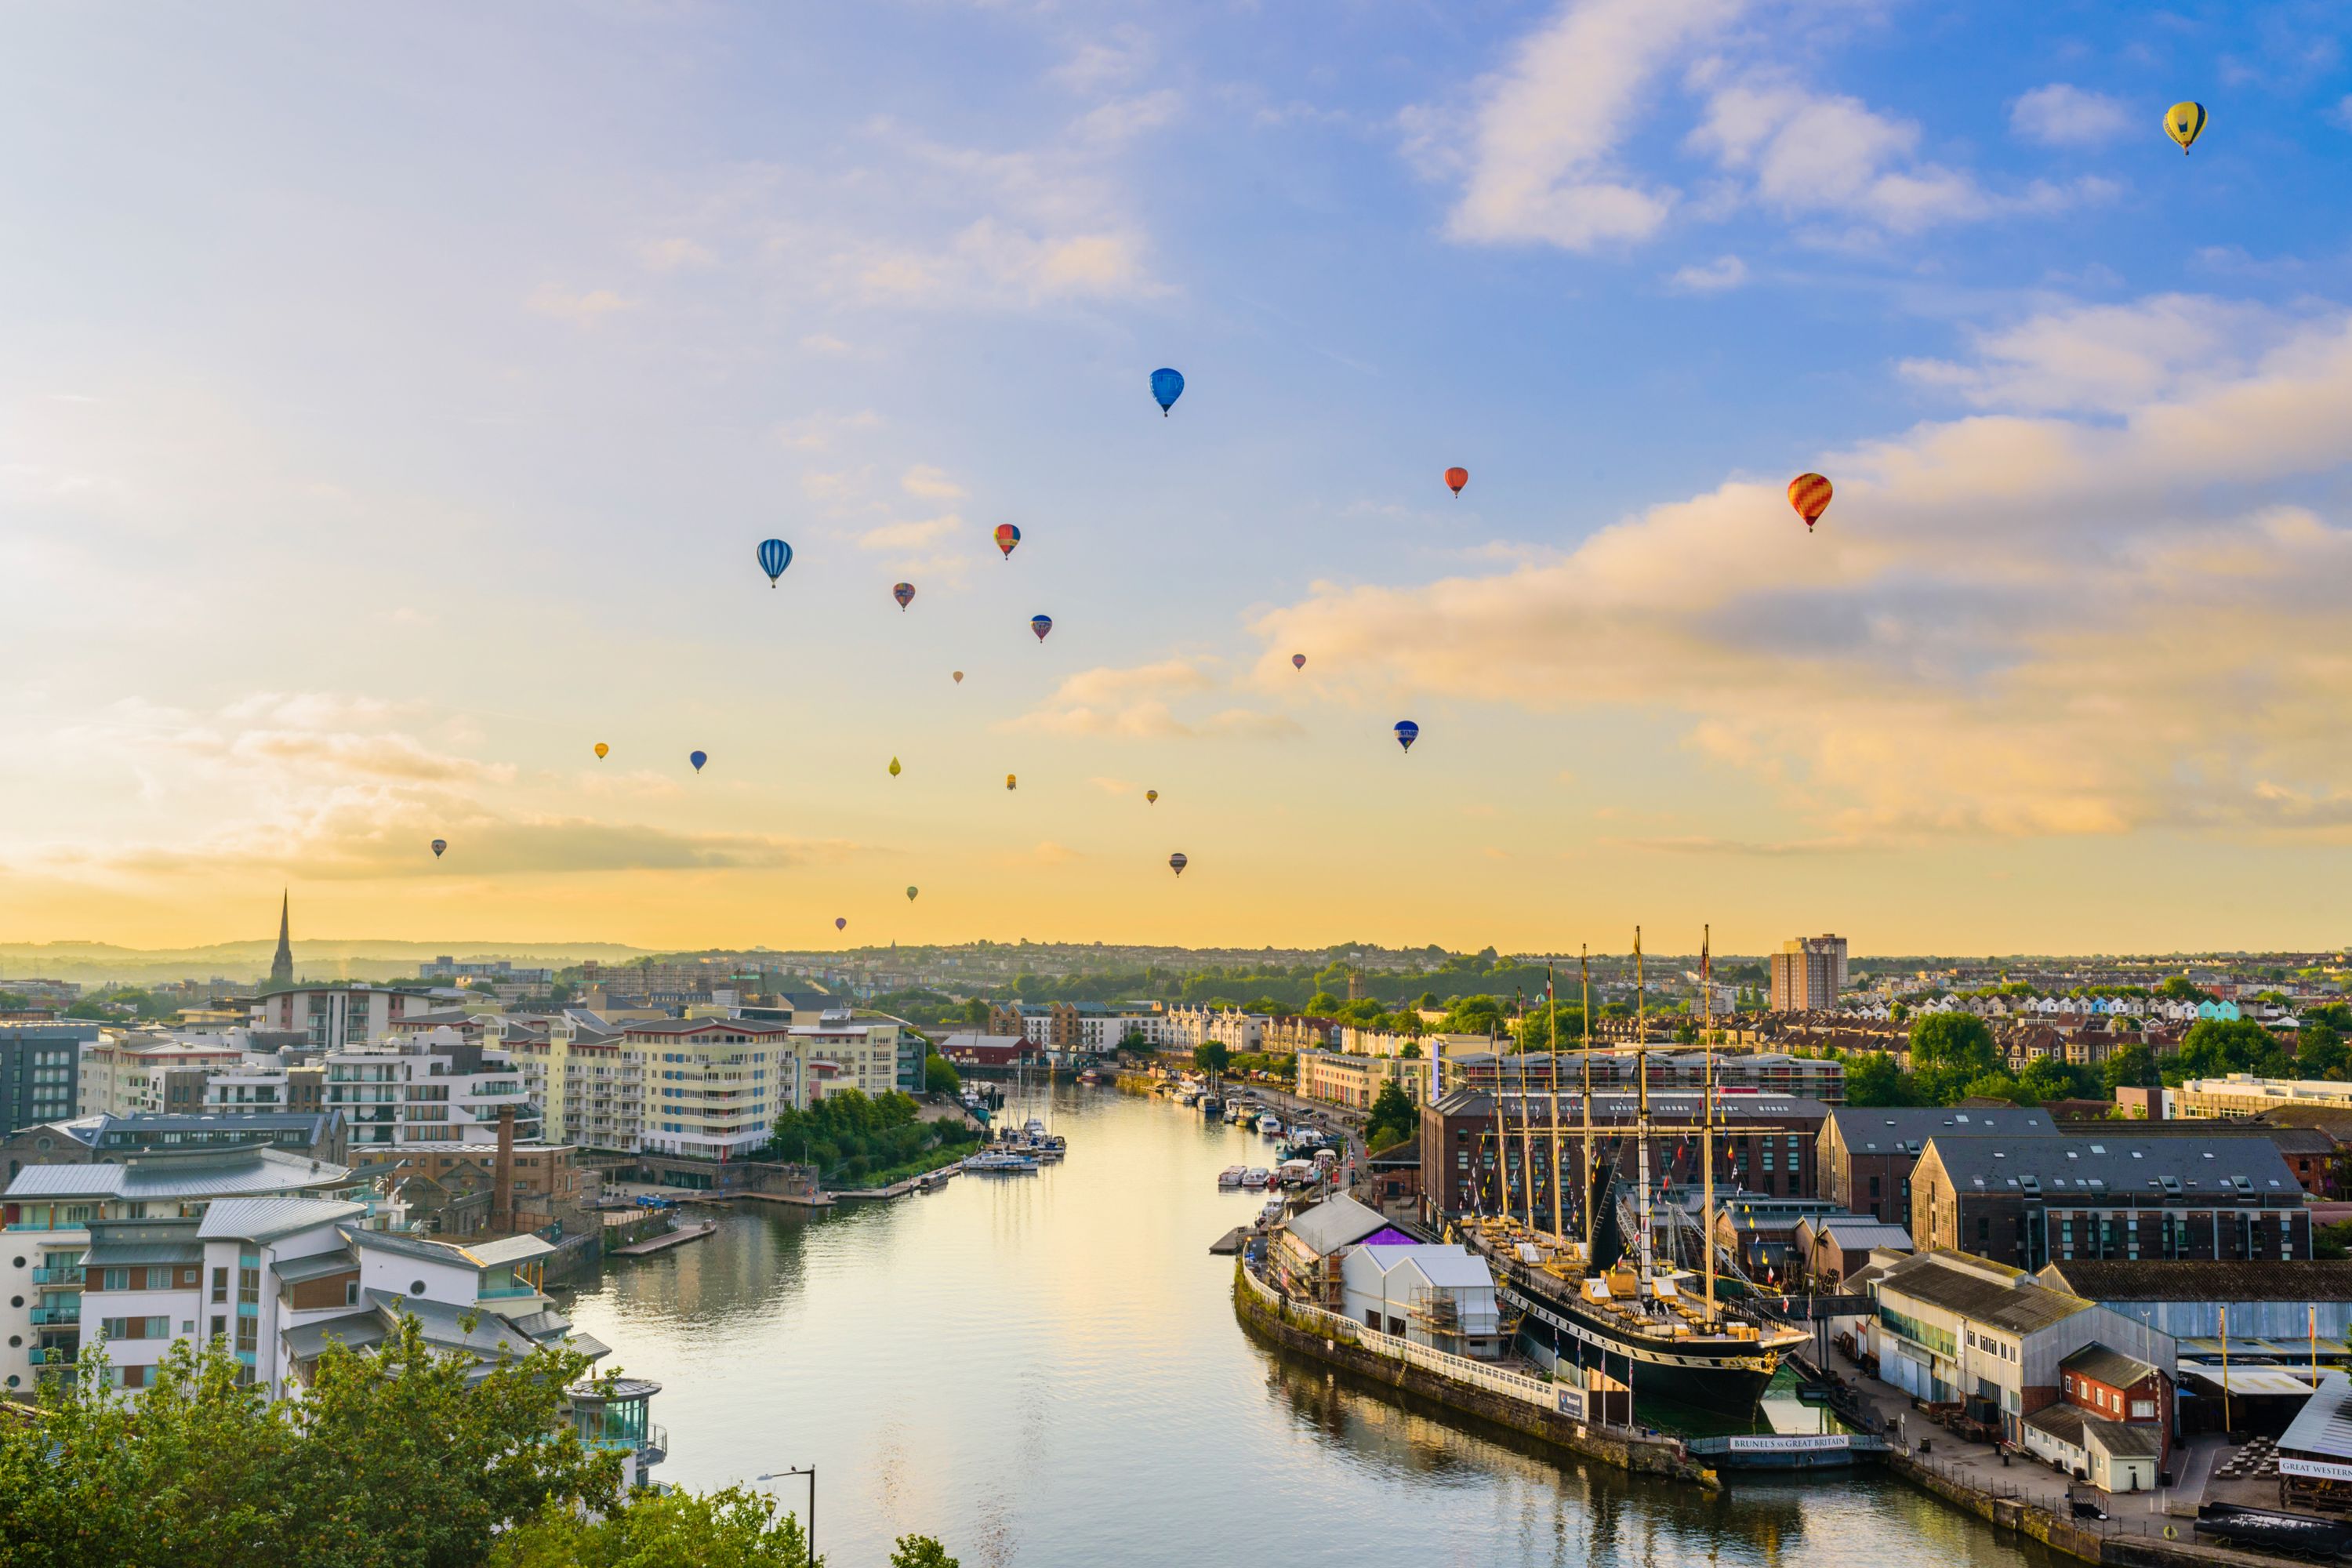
(281, 968)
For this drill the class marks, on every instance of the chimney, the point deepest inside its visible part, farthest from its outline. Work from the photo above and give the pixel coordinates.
(502, 1213)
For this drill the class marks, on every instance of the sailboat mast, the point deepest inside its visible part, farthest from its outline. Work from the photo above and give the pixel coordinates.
(1527, 1132)
(1641, 1103)
(1707, 1118)
(1585, 974)
(1552, 1158)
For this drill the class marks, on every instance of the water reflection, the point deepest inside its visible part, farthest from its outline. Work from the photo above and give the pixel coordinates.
(1045, 1371)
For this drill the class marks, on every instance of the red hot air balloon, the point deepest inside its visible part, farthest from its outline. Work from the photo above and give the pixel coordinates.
(1298, 661)
(1810, 494)
(1177, 862)
(1456, 479)
(1007, 536)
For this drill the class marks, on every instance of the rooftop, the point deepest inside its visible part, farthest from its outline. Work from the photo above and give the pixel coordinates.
(1333, 1224)
(176, 1173)
(267, 1219)
(2323, 1426)
(1888, 1129)
(2076, 1166)
(1980, 1292)
(2112, 1368)
(2201, 1279)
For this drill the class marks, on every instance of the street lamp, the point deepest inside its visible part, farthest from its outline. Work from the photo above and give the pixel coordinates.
(810, 1471)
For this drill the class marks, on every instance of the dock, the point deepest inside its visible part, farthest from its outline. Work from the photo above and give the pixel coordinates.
(791, 1200)
(666, 1240)
(1232, 1242)
(900, 1189)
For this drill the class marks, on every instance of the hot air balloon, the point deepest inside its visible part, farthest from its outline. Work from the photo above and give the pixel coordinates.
(1298, 661)
(959, 677)
(1167, 387)
(1151, 797)
(905, 594)
(1177, 862)
(601, 749)
(1007, 536)
(1810, 494)
(893, 767)
(774, 557)
(438, 845)
(1010, 781)
(841, 923)
(910, 894)
(1041, 624)
(698, 759)
(2184, 122)
(1407, 732)
(1456, 478)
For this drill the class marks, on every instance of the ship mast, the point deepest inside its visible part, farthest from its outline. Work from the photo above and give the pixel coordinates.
(1526, 1129)
(1585, 974)
(1641, 1116)
(1707, 1118)
(1552, 1158)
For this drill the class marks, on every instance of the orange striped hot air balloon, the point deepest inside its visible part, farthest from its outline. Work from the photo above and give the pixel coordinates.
(1456, 478)
(1810, 494)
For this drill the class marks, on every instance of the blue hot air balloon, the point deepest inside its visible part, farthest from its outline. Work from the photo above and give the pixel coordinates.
(1407, 732)
(1041, 624)
(1167, 387)
(698, 759)
(774, 557)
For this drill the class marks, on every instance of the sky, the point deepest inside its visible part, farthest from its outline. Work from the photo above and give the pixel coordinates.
(394, 398)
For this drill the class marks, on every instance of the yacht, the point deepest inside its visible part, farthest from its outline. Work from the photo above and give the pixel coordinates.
(1000, 1162)
(1231, 1176)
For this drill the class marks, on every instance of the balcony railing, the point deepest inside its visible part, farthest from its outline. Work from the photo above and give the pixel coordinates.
(68, 1312)
(62, 1274)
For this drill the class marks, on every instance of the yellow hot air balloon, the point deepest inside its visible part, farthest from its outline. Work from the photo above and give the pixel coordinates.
(1010, 781)
(601, 749)
(1151, 797)
(2184, 122)
(893, 767)
(959, 677)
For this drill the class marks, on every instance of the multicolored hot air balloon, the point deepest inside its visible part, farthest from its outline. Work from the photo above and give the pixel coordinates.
(698, 759)
(959, 677)
(910, 894)
(774, 557)
(893, 767)
(2184, 122)
(841, 923)
(1456, 478)
(1177, 862)
(1167, 387)
(1298, 661)
(905, 594)
(1007, 536)
(1041, 624)
(438, 845)
(1151, 797)
(1810, 494)
(601, 749)
(1010, 781)
(1407, 732)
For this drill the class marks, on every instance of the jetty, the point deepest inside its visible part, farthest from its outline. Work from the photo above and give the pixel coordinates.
(666, 1240)
(921, 1182)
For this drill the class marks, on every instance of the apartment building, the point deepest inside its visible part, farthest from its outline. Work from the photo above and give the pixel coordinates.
(431, 1089)
(52, 1214)
(1807, 972)
(1760, 1072)
(2029, 1202)
(332, 1017)
(124, 1073)
(41, 1071)
(1356, 1081)
(88, 1138)
(712, 1086)
(2242, 1094)
(1078, 1028)
(1189, 1028)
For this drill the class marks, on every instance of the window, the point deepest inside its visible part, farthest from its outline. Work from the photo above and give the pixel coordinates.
(220, 1326)
(159, 1327)
(220, 1284)
(2142, 1409)
(115, 1279)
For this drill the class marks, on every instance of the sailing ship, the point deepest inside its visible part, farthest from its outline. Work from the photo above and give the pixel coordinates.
(1638, 1319)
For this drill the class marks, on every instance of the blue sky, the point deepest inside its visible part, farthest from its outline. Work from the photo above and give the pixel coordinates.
(395, 399)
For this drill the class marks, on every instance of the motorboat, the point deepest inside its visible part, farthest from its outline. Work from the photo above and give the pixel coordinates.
(1256, 1176)
(1000, 1162)
(1273, 1212)
(1231, 1176)
(1270, 1124)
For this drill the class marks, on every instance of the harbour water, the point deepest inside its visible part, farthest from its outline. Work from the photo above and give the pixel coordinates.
(1045, 1371)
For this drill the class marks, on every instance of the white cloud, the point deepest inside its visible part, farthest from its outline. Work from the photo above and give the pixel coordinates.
(2342, 113)
(582, 309)
(917, 534)
(931, 483)
(2007, 624)
(1123, 118)
(1544, 165)
(1138, 702)
(2059, 115)
(673, 254)
(2107, 358)
(1710, 277)
(818, 432)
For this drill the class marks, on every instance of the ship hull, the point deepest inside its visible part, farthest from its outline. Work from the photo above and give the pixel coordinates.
(1729, 1380)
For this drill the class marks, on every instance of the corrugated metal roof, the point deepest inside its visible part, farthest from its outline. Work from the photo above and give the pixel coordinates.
(1333, 1224)
(2323, 1426)
(511, 1249)
(2111, 1367)
(211, 1173)
(358, 1330)
(2017, 1304)
(295, 1270)
(122, 1253)
(2202, 1279)
(266, 1219)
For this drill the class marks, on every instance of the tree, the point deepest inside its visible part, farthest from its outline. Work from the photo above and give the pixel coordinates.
(1428, 1003)
(1322, 1004)
(975, 1010)
(939, 1075)
(1994, 1084)
(2128, 1067)
(732, 1528)
(2045, 1080)
(1211, 1056)
(1538, 1029)
(1472, 1016)
(1409, 1050)
(1266, 1005)
(921, 1551)
(2319, 1052)
(1957, 1042)
(2181, 988)
(1392, 1120)
(2217, 1045)
(1873, 1078)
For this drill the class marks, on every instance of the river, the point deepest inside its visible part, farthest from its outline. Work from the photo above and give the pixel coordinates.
(1045, 1371)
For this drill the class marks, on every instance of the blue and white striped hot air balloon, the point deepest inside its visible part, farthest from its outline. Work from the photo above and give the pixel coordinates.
(774, 557)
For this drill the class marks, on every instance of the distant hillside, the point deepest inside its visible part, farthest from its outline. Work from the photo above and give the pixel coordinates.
(323, 958)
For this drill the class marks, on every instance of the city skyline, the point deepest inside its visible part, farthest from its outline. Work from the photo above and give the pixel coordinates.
(370, 455)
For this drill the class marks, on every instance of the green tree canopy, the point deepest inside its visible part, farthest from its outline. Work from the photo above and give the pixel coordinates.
(2214, 1047)
(1873, 1078)
(939, 1075)
(1994, 1084)
(1956, 1042)
(2181, 988)
(2319, 1052)
(2128, 1067)
(1211, 1056)
(1393, 1118)
(1477, 1014)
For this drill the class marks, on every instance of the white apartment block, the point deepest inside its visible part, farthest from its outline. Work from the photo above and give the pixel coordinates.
(427, 1090)
(1189, 1028)
(336, 1018)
